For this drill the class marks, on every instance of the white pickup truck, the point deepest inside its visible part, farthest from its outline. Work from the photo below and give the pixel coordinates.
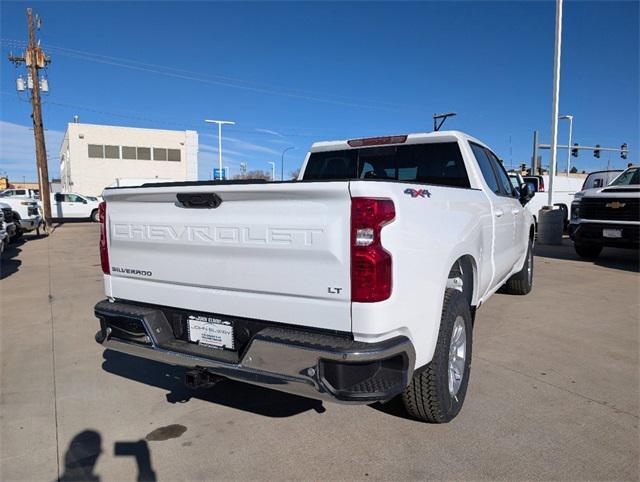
(607, 216)
(70, 205)
(25, 213)
(356, 283)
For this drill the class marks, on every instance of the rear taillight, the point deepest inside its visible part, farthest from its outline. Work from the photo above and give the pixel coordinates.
(541, 185)
(104, 249)
(370, 262)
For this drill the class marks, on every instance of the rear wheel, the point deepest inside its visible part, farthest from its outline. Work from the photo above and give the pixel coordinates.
(436, 392)
(588, 251)
(521, 282)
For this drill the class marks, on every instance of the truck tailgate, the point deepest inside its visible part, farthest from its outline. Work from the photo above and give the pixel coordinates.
(275, 252)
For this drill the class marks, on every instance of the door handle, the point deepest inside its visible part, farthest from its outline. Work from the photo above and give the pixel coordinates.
(499, 212)
(515, 211)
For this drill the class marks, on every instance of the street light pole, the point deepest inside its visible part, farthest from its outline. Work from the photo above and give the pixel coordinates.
(273, 170)
(219, 122)
(570, 119)
(282, 162)
(556, 98)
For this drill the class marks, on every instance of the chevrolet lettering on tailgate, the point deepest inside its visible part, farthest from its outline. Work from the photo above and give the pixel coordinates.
(249, 235)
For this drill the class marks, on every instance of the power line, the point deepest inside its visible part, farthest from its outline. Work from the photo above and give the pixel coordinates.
(155, 121)
(215, 79)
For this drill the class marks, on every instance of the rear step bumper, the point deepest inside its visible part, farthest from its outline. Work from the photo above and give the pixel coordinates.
(321, 366)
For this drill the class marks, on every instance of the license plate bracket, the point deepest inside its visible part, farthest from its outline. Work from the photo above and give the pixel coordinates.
(210, 332)
(612, 233)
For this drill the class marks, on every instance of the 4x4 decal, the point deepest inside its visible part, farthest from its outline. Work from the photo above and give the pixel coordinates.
(414, 193)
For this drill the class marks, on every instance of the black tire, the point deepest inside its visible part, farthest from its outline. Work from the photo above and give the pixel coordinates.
(588, 251)
(427, 397)
(521, 283)
(95, 216)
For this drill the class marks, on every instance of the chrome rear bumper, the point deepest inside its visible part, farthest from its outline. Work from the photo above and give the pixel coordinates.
(320, 366)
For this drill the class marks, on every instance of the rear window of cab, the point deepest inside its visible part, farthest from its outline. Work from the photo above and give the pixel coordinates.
(434, 163)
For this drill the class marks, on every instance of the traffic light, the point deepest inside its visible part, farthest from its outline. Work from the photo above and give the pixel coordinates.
(596, 151)
(523, 167)
(574, 151)
(624, 150)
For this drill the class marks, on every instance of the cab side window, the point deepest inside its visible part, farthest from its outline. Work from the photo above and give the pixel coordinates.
(73, 198)
(484, 162)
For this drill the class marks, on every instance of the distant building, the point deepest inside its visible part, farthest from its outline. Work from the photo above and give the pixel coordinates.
(93, 157)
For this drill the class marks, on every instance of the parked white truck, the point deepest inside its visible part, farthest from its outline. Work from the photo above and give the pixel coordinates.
(607, 216)
(7, 225)
(71, 205)
(356, 283)
(25, 213)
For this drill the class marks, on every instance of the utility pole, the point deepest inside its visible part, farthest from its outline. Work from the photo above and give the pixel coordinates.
(570, 119)
(220, 123)
(441, 118)
(35, 59)
(556, 99)
(534, 156)
(282, 162)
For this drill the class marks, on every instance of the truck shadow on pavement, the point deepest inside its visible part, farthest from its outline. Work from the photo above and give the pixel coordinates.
(242, 396)
(614, 258)
(85, 449)
(9, 264)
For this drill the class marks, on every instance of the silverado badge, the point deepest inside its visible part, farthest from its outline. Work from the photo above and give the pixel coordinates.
(615, 205)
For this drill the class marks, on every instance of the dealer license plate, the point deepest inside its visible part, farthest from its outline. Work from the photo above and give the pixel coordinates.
(211, 332)
(612, 233)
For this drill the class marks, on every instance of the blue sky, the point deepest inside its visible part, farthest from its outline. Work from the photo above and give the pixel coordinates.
(290, 74)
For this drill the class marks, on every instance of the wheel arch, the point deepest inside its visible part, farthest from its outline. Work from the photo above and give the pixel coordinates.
(469, 275)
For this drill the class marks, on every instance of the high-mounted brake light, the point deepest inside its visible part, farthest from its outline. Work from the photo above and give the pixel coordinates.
(104, 249)
(371, 277)
(377, 141)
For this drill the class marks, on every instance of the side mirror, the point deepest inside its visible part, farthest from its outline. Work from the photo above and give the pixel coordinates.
(84, 201)
(525, 194)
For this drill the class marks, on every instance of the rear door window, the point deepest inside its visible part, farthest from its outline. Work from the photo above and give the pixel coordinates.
(484, 162)
(434, 163)
(503, 177)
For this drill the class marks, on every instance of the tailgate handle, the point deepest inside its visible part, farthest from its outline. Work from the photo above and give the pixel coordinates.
(199, 200)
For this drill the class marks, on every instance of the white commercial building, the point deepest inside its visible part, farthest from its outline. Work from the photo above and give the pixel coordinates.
(93, 157)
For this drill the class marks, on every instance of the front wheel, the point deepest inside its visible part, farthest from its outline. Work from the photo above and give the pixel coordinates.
(436, 392)
(95, 216)
(588, 251)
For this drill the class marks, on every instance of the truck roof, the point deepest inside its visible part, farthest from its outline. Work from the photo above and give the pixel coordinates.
(413, 138)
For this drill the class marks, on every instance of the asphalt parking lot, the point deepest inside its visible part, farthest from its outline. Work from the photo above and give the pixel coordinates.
(553, 391)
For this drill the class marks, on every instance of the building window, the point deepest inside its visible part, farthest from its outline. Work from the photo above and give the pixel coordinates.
(96, 151)
(174, 155)
(112, 152)
(128, 152)
(159, 154)
(144, 153)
